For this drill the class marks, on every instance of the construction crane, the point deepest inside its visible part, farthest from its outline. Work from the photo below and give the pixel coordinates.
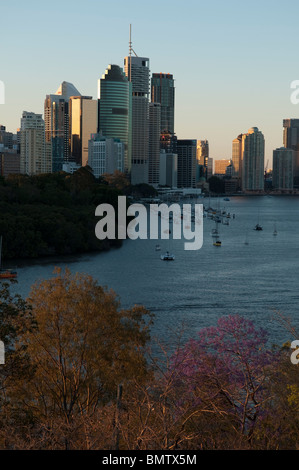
(266, 168)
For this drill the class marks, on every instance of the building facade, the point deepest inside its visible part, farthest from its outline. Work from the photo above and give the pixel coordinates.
(115, 109)
(83, 121)
(32, 146)
(237, 159)
(203, 159)
(168, 173)
(137, 71)
(56, 131)
(163, 92)
(187, 163)
(291, 141)
(105, 155)
(221, 166)
(253, 152)
(283, 169)
(154, 143)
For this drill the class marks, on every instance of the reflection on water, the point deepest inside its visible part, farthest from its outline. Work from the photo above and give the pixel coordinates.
(253, 280)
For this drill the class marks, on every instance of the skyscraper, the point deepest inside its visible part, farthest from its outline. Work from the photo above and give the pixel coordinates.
(56, 131)
(186, 151)
(154, 143)
(283, 169)
(57, 125)
(105, 155)
(163, 92)
(137, 71)
(237, 159)
(203, 159)
(115, 109)
(83, 121)
(168, 174)
(32, 146)
(291, 141)
(253, 149)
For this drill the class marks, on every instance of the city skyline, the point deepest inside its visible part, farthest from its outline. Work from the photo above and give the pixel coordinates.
(230, 62)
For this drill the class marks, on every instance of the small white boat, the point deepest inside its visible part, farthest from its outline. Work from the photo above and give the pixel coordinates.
(167, 257)
(158, 248)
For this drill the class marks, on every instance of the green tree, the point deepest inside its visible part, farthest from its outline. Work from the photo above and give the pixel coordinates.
(15, 319)
(216, 185)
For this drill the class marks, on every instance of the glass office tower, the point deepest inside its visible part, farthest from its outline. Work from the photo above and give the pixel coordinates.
(162, 91)
(115, 109)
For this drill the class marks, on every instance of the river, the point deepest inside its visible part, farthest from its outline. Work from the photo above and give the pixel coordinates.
(253, 280)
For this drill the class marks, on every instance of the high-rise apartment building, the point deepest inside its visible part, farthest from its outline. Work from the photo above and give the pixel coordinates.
(32, 147)
(154, 143)
(282, 178)
(56, 131)
(83, 121)
(186, 151)
(168, 173)
(9, 162)
(237, 159)
(291, 141)
(56, 115)
(163, 92)
(137, 71)
(6, 138)
(253, 151)
(168, 142)
(115, 109)
(105, 155)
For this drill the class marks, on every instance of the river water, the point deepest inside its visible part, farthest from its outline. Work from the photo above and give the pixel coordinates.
(253, 280)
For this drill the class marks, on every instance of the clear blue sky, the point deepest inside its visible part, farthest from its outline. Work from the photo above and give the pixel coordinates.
(233, 61)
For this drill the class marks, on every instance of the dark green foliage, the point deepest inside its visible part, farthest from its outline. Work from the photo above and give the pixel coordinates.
(52, 214)
(217, 185)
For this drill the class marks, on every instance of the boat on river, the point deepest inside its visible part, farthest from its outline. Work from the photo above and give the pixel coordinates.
(167, 257)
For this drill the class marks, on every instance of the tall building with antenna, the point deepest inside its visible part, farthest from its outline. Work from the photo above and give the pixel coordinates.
(138, 73)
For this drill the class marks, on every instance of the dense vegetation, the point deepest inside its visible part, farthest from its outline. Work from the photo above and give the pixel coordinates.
(78, 374)
(54, 214)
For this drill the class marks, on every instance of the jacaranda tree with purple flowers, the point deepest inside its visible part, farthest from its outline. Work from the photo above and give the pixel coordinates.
(222, 374)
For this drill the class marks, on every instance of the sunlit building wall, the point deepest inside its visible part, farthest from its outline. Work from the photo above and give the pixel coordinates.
(32, 146)
(221, 165)
(83, 121)
(237, 159)
(253, 151)
(137, 71)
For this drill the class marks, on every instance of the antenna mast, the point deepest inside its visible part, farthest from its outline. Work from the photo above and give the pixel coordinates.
(130, 51)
